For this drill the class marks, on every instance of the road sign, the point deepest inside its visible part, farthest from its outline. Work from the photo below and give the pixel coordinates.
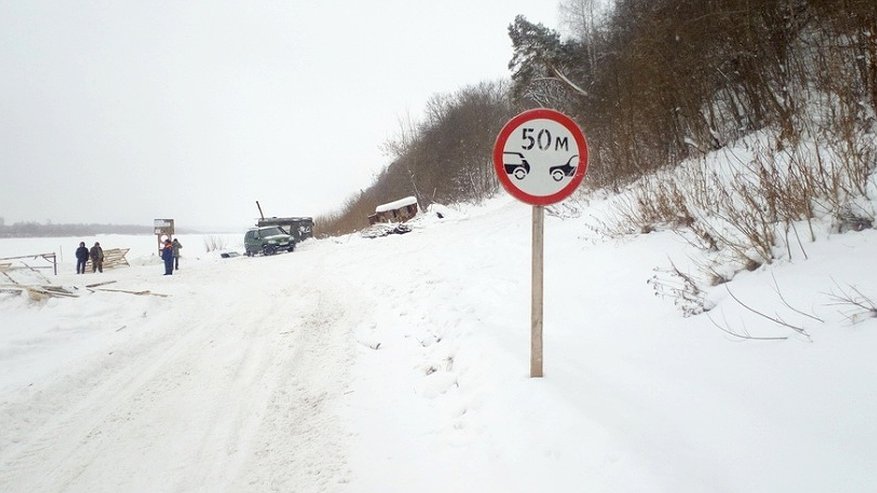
(540, 156)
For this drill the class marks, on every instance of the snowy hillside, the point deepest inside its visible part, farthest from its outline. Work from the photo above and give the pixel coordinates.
(400, 364)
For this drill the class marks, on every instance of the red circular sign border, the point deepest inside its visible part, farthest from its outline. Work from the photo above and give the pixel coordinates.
(511, 126)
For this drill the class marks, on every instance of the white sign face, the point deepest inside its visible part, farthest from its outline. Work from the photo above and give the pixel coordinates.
(540, 156)
(162, 223)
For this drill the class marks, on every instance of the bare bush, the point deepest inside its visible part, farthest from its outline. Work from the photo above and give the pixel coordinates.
(857, 306)
(353, 216)
(741, 333)
(214, 243)
(775, 319)
(682, 288)
(756, 204)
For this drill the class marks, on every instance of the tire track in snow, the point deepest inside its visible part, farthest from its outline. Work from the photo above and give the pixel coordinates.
(302, 443)
(240, 400)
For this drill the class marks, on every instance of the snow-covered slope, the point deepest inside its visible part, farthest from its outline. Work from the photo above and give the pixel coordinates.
(400, 364)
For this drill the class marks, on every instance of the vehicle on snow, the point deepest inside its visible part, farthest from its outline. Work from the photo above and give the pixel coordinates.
(267, 241)
(300, 228)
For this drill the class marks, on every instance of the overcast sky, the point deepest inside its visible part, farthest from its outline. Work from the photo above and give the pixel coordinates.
(125, 111)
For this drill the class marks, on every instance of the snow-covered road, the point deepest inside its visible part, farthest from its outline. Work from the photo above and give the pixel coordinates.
(227, 383)
(400, 364)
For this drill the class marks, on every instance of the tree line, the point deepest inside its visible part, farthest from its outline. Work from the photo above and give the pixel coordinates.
(651, 82)
(655, 81)
(36, 230)
(444, 158)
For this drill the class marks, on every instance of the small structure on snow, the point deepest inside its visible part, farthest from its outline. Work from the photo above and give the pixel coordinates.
(300, 228)
(395, 212)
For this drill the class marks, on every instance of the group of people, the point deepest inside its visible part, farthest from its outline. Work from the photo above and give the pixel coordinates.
(96, 254)
(170, 253)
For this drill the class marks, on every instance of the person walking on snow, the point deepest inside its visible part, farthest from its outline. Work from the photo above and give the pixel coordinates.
(97, 258)
(167, 254)
(81, 258)
(177, 245)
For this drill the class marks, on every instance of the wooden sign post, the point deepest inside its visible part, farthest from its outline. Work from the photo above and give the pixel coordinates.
(536, 293)
(540, 158)
(164, 230)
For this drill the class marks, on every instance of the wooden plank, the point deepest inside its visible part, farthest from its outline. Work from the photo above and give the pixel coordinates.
(37, 293)
(138, 293)
(57, 289)
(99, 284)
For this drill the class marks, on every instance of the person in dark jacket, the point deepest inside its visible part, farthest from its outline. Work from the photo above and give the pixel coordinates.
(177, 245)
(97, 258)
(81, 258)
(167, 254)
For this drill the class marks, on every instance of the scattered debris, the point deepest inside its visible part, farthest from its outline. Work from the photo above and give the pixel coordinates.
(382, 229)
(138, 293)
(42, 292)
(38, 292)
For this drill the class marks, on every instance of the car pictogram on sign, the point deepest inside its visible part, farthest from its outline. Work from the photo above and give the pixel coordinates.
(558, 172)
(515, 164)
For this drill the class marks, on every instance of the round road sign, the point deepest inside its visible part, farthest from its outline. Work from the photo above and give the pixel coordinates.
(540, 156)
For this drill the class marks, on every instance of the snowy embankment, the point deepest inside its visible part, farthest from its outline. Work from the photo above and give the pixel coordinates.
(401, 364)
